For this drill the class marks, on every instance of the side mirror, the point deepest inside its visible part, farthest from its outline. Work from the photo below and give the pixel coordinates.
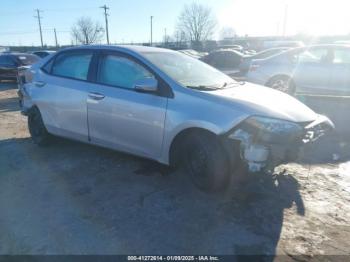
(146, 85)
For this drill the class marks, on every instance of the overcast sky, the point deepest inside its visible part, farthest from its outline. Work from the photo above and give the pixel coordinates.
(130, 22)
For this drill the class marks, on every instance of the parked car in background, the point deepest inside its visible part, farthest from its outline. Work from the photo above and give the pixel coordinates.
(164, 105)
(281, 43)
(342, 42)
(225, 60)
(11, 64)
(232, 47)
(245, 64)
(319, 70)
(249, 52)
(43, 53)
(193, 53)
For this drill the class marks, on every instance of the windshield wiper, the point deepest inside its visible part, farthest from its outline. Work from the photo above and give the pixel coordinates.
(231, 84)
(205, 88)
(211, 88)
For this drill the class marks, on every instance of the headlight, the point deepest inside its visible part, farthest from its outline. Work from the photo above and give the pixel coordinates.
(271, 130)
(272, 125)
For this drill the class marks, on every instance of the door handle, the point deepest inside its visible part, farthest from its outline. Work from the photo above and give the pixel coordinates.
(96, 96)
(39, 83)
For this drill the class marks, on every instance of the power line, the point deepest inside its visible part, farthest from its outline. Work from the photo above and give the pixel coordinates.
(14, 13)
(106, 18)
(17, 32)
(39, 22)
(73, 9)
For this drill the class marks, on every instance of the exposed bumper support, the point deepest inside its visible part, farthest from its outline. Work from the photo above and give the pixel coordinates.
(266, 155)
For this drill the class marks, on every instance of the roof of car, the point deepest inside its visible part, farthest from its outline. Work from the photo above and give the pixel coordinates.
(297, 49)
(132, 48)
(48, 51)
(224, 50)
(14, 53)
(323, 45)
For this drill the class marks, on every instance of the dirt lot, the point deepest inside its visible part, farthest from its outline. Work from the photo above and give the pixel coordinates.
(72, 198)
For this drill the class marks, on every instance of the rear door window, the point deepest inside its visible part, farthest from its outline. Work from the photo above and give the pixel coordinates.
(72, 65)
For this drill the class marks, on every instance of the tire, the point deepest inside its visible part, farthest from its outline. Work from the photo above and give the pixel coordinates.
(206, 162)
(37, 129)
(283, 84)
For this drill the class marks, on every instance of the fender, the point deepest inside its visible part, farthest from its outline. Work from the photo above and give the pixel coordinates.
(191, 124)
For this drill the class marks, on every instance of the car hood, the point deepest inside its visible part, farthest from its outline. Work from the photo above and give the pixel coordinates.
(264, 101)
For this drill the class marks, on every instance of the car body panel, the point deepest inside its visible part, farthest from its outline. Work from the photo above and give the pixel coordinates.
(146, 124)
(258, 100)
(311, 77)
(246, 62)
(339, 80)
(127, 120)
(62, 103)
(316, 78)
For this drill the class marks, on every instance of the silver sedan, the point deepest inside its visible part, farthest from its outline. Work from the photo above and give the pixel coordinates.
(314, 70)
(166, 106)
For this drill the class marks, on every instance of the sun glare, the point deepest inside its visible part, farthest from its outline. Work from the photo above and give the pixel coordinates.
(275, 17)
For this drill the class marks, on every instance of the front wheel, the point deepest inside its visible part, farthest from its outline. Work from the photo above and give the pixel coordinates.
(37, 128)
(206, 162)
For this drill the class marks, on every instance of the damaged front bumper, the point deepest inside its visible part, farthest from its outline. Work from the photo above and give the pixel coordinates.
(265, 143)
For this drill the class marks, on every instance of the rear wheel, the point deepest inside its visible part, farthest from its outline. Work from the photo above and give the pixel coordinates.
(37, 128)
(282, 83)
(206, 161)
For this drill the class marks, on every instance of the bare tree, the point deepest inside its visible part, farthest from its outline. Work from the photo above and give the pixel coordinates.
(197, 22)
(179, 37)
(86, 31)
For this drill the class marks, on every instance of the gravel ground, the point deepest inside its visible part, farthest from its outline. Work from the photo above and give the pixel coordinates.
(72, 198)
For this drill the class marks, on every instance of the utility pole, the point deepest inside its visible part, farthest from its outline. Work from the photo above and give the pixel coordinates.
(54, 30)
(39, 21)
(151, 31)
(106, 18)
(165, 40)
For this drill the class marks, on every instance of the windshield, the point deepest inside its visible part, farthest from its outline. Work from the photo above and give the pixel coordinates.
(188, 71)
